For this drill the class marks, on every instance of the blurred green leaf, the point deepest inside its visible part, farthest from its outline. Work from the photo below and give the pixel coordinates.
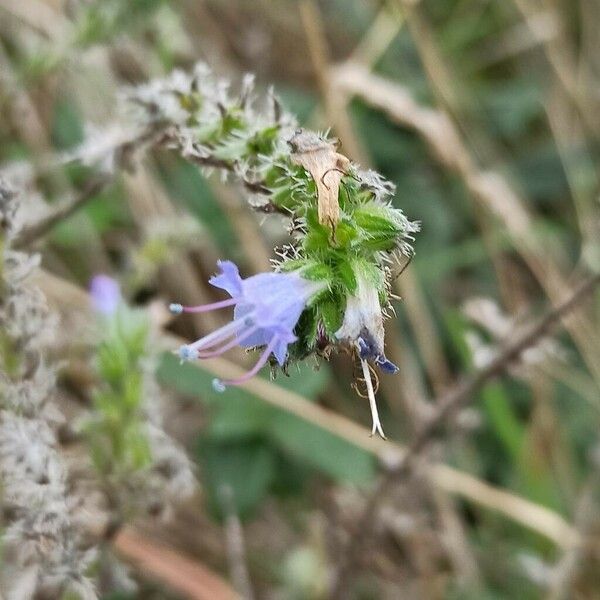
(306, 442)
(246, 467)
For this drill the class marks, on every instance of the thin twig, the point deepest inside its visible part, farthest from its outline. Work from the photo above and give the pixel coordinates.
(447, 407)
(187, 577)
(64, 210)
(236, 552)
(123, 152)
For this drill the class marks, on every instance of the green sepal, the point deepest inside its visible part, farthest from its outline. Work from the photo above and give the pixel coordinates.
(306, 330)
(263, 141)
(318, 237)
(215, 133)
(191, 103)
(316, 271)
(345, 275)
(369, 272)
(330, 311)
(377, 219)
(345, 233)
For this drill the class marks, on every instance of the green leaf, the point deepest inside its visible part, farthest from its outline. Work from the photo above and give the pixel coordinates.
(322, 450)
(308, 443)
(503, 418)
(246, 467)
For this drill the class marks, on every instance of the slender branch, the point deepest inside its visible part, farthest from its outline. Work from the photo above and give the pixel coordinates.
(65, 209)
(122, 153)
(447, 408)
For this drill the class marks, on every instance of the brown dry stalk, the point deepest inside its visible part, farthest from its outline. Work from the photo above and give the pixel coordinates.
(448, 406)
(334, 103)
(326, 166)
(184, 575)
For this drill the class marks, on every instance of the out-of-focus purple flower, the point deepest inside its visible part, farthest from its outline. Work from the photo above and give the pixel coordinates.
(267, 308)
(106, 294)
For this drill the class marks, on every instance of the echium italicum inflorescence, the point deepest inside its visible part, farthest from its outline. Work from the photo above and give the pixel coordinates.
(331, 282)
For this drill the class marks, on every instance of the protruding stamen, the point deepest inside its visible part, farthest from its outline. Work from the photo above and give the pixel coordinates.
(218, 335)
(372, 402)
(177, 309)
(219, 384)
(187, 353)
(236, 341)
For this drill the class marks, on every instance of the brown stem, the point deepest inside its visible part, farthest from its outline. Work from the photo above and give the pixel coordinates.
(65, 209)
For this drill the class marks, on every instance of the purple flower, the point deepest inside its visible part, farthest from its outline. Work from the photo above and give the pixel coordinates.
(267, 308)
(106, 294)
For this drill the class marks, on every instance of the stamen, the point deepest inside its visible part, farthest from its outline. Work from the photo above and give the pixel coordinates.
(219, 335)
(187, 353)
(219, 385)
(177, 309)
(236, 341)
(372, 402)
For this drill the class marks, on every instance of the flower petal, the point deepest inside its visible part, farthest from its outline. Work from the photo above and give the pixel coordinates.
(281, 349)
(229, 279)
(105, 293)
(260, 337)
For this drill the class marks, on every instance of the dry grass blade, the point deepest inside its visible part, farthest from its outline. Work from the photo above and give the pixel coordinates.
(187, 577)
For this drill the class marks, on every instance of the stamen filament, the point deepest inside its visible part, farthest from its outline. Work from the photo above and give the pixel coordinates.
(231, 344)
(219, 335)
(372, 402)
(204, 307)
(221, 384)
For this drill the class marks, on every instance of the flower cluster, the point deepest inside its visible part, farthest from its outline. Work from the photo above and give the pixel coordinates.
(332, 279)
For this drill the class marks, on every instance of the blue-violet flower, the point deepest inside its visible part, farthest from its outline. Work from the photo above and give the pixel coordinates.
(105, 293)
(267, 309)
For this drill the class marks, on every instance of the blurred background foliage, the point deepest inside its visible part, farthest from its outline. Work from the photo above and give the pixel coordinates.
(519, 80)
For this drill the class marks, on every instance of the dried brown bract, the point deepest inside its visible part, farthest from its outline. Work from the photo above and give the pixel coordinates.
(326, 166)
